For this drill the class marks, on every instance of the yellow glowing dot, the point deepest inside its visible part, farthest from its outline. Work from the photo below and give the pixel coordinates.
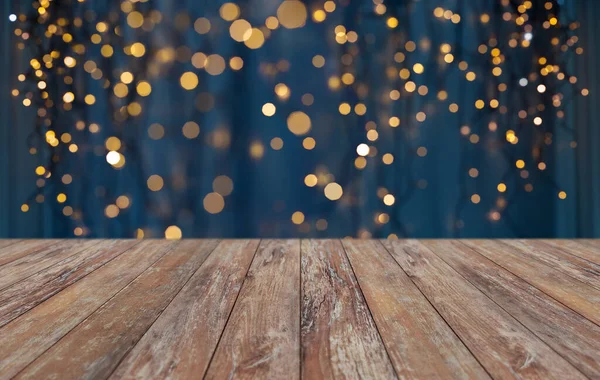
(106, 51)
(135, 19)
(61, 198)
(123, 202)
(223, 185)
(155, 182)
(387, 158)
(421, 116)
(90, 99)
(392, 22)
(257, 150)
(333, 191)
(229, 11)
(362, 149)
(191, 130)
(272, 22)
(268, 109)
(126, 77)
(236, 63)
(240, 30)
(256, 39)
(276, 143)
(562, 195)
(144, 88)
(310, 180)
(40, 170)
(360, 109)
(24, 207)
(156, 131)
(172, 233)
(292, 14)
(309, 143)
(501, 187)
(389, 199)
(215, 65)
(138, 49)
(318, 61)
(70, 62)
(113, 143)
(68, 97)
(520, 164)
(479, 104)
(344, 108)
(394, 121)
(121, 90)
(299, 123)
(213, 203)
(189, 80)
(475, 198)
(202, 25)
(418, 68)
(319, 15)
(111, 211)
(282, 90)
(298, 217)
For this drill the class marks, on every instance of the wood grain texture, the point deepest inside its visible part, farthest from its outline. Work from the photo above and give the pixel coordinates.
(339, 337)
(587, 249)
(568, 333)
(182, 340)
(261, 339)
(26, 294)
(23, 248)
(573, 293)
(574, 266)
(95, 347)
(25, 266)
(419, 342)
(28, 336)
(6, 242)
(501, 344)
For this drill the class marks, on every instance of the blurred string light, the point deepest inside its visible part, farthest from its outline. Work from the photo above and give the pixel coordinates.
(63, 45)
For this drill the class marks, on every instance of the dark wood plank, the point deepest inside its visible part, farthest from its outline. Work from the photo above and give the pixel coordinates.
(95, 347)
(573, 293)
(339, 338)
(261, 339)
(26, 294)
(568, 333)
(6, 242)
(501, 344)
(588, 249)
(574, 266)
(25, 266)
(420, 343)
(23, 248)
(182, 340)
(28, 336)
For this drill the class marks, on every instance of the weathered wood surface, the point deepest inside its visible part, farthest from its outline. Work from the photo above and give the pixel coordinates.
(339, 337)
(262, 338)
(568, 333)
(419, 342)
(104, 338)
(28, 336)
(500, 343)
(182, 341)
(291, 309)
(570, 292)
(26, 294)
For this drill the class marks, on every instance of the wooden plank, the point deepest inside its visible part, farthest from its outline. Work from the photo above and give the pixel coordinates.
(576, 267)
(28, 336)
(23, 248)
(339, 337)
(262, 338)
(182, 340)
(420, 344)
(94, 348)
(570, 292)
(34, 262)
(26, 294)
(6, 242)
(588, 249)
(568, 333)
(501, 344)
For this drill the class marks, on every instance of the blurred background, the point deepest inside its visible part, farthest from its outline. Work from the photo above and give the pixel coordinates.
(288, 118)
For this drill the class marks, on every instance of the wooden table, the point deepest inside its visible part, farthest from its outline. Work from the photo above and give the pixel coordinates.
(284, 309)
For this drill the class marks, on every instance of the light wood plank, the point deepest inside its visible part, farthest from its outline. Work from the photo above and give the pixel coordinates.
(574, 266)
(95, 347)
(588, 249)
(578, 296)
(26, 294)
(339, 337)
(182, 340)
(501, 344)
(261, 339)
(6, 242)
(23, 248)
(568, 333)
(28, 336)
(420, 344)
(24, 267)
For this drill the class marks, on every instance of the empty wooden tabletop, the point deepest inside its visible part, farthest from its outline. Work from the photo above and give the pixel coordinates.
(290, 309)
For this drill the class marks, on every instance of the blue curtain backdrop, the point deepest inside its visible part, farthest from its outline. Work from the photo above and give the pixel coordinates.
(436, 192)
